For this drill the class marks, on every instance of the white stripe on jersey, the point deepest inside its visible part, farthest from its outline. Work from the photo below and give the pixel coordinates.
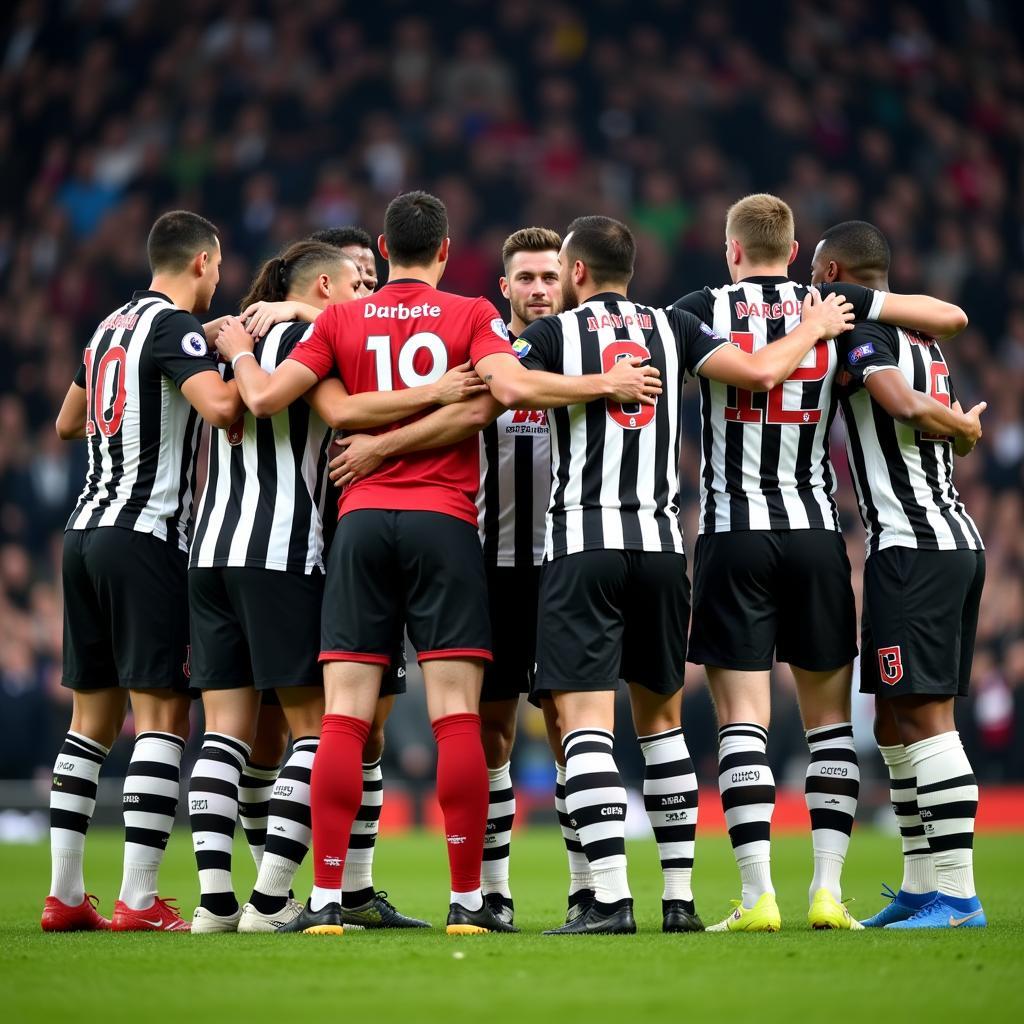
(571, 507)
(904, 480)
(227, 523)
(759, 472)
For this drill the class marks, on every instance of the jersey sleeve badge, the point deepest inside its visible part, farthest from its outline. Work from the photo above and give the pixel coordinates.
(499, 328)
(521, 347)
(193, 344)
(861, 352)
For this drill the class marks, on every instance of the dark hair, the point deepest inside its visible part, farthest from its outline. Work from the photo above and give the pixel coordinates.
(342, 237)
(859, 246)
(605, 245)
(529, 240)
(293, 268)
(176, 238)
(415, 225)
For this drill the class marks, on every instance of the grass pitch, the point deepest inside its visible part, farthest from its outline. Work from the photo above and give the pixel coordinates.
(798, 975)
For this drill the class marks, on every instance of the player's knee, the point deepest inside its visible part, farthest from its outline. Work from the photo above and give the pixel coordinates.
(497, 739)
(373, 748)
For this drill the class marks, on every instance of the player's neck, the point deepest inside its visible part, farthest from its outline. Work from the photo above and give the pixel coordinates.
(314, 298)
(178, 289)
(516, 326)
(428, 275)
(584, 293)
(745, 270)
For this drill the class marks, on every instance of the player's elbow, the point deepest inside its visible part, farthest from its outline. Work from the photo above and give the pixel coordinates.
(66, 431)
(904, 407)
(262, 407)
(954, 321)
(763, 380)
(510, 393)
(222, 412)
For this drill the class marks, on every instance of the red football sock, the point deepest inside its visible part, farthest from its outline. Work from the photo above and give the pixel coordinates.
(463, 793)
(336, 791)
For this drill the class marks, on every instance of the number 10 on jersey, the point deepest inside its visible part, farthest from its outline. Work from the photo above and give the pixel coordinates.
(410, 377)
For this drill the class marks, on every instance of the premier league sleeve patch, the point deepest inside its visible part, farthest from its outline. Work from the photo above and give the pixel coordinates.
(193, 344)
(499, 328)
(520, 347)
(860, 353)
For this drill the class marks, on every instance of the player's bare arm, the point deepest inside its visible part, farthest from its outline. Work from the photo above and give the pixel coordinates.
(263, 393)
(515, 387)
(769, 366)
(938, 319)
(922, 412)
(361, 454)
(72, 415)
(338, 409)
(217, 401)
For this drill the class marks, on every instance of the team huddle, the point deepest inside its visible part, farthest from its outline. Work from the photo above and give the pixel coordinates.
(509, 497)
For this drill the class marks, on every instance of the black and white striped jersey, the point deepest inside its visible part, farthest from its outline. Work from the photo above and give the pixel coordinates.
(142, 433)
(615, 468)
(515, 483)
(263, 503)
(764, 455)
(904, 478)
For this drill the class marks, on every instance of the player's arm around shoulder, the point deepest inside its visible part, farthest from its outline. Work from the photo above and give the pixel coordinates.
(265, 394)
(763, 370)
(934, 317)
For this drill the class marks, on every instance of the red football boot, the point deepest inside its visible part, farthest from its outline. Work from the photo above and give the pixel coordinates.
(59, 917)
(162, 916)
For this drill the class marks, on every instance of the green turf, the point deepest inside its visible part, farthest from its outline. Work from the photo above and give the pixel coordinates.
(970, 976)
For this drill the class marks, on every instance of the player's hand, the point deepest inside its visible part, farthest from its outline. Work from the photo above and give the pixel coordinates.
(458, 384)
(232, 339)
(631, 380)
(357, 458)
(261, 316)
(964, 442)
(831, 316)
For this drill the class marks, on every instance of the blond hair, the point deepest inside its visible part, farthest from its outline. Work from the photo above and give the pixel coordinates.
(763, 225)
(529, 240)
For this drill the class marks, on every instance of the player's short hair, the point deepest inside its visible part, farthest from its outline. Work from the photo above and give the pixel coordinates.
(293, 268)
(176, 238)
(529, 240)
(605, 245)
(859, 246)
(343, 237)
(763, 225)
(415, 225)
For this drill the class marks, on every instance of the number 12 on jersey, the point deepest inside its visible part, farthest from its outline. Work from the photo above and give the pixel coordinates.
(774, 410)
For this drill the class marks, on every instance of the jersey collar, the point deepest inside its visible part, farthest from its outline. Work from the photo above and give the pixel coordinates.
(767, 279)
(607, 297)
(146, 293)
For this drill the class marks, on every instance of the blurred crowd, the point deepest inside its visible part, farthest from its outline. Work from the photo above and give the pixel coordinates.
(274, 119)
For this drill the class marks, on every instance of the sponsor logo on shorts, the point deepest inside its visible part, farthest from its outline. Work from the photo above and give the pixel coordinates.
(748, 775)
(890, 664)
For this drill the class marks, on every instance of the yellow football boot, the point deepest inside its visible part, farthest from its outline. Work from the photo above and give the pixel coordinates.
(828, 913)
(763, 916)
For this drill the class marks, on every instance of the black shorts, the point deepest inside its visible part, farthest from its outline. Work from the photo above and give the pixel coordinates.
(254, 627)
(919, 621)
(611, 615)
(761, 595)
(512, 597)
(388, 568)
(125, 611)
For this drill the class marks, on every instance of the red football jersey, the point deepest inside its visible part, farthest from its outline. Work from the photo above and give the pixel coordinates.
(405, 335)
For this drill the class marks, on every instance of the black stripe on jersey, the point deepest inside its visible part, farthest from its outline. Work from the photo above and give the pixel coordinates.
(707, 442)
(491, 499)
(596, 413)
(233, 511)
(771, 433)
(629, 462)
(562, 436)
(266, 476)
(958, 505)
(739, 506)
(320, 491)
(666, 463)
(885, 429)
(302, 504)
(826, 461)
(523, 523)
(202, 524)
(929, 461)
